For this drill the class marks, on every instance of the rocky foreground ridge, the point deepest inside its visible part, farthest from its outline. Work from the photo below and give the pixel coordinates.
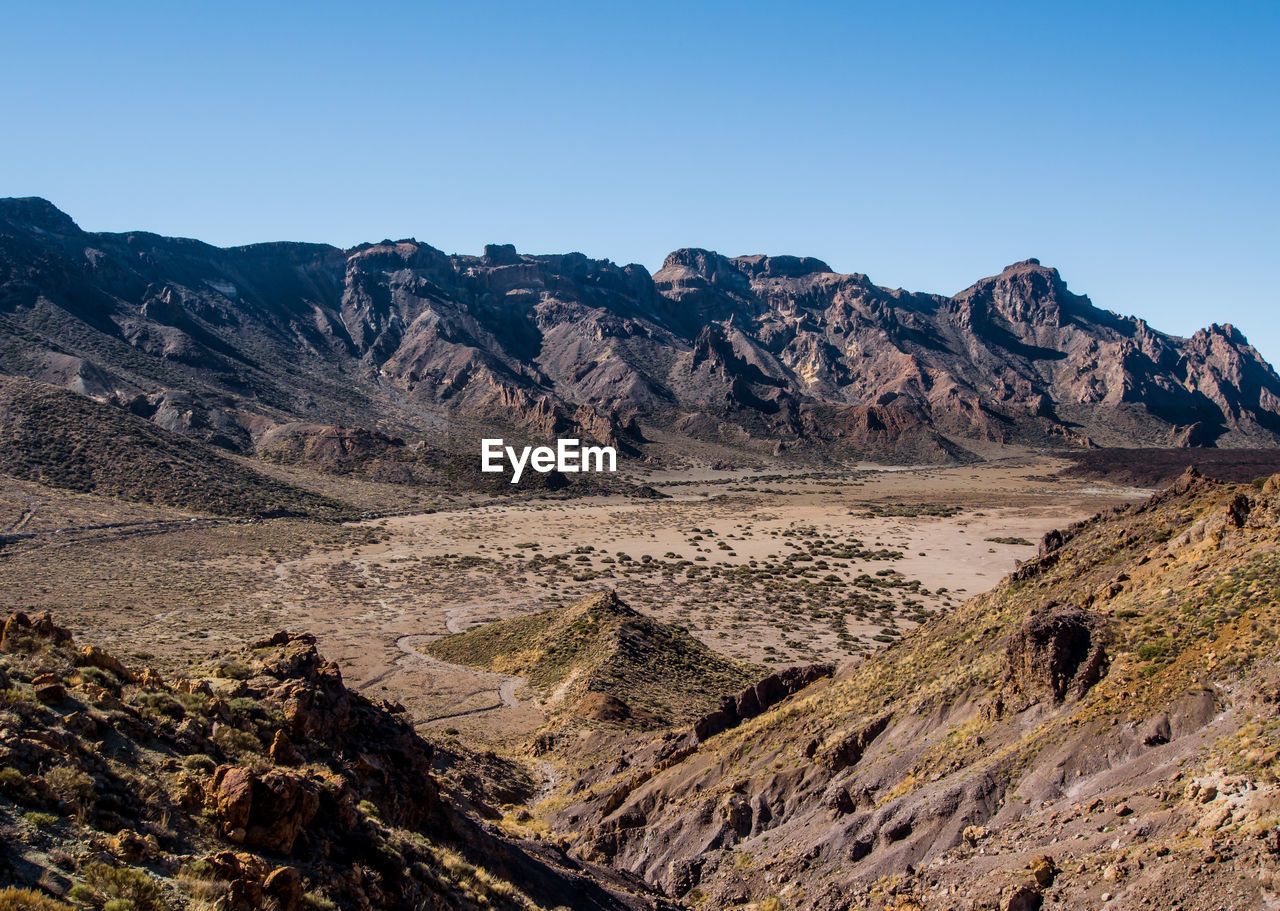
(308, 351)
(262, 783)
(1102, 730)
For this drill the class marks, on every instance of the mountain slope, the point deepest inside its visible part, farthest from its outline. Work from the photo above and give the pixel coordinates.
(602, 661)
(66, 440)
(751, 352)
(1111, 706)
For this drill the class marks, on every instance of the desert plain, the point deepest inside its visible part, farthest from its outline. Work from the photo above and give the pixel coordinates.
(773, 568)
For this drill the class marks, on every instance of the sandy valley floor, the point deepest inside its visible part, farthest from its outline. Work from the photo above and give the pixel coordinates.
(774, 569)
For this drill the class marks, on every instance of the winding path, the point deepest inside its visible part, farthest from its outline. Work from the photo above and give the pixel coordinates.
(505, 690)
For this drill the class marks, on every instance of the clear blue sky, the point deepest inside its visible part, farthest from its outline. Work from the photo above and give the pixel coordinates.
(1132, 145)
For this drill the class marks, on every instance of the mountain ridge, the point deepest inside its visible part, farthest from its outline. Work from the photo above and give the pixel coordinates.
(760, 354)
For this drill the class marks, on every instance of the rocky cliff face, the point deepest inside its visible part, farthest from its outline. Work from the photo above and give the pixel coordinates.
(756, 352)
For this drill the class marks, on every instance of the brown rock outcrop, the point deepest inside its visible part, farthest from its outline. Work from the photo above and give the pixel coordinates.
(848, 750)
(19, 628)
(267, 810)
(92, 656)
(282, 751)
(1056, 650)
(753, 700)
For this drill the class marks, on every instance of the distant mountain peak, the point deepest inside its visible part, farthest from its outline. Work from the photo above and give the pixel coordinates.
(37, 212)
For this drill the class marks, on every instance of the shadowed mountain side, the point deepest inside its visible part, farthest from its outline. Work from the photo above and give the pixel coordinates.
(66, 440)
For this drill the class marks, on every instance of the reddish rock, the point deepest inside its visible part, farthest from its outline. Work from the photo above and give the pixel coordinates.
(284, 885)
(200, 687)
(266, 810)
(282, 751)
(92, 656)
(1043, 869)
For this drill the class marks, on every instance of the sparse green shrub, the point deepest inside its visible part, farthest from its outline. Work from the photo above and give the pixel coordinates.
(199, 880)
(1149, 651)
(195, 704)
(236, 742)
(73, 786)
(369, 808)
(117, 889)
(19, 700)
(160, 705)
(14, 783)
(100, 677)
(15, 899)
(234, 670)
(41, 820)
(198, 762)
(244, 705)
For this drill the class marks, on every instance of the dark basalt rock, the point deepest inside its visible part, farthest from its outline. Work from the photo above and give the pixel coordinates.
(755, 699)
(1058, 650)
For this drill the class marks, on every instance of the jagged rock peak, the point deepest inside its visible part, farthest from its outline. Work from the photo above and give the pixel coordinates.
(39, 213)
(761, 266)
(500, 255)
(710, 264)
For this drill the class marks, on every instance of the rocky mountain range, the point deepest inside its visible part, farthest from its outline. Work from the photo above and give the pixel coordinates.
(297, 348)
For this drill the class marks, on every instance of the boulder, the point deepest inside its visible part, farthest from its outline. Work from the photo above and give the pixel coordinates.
(49, 689)
(1043, 870)
(133, 848)
(282, 751)
(1056, 650)
(92, 656)
(1022, 898)
(267, 810)
(197, 687)
(284, 886)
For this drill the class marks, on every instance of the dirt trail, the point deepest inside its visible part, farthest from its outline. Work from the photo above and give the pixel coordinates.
(505, 691)
(94, 534)
(24, 518)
